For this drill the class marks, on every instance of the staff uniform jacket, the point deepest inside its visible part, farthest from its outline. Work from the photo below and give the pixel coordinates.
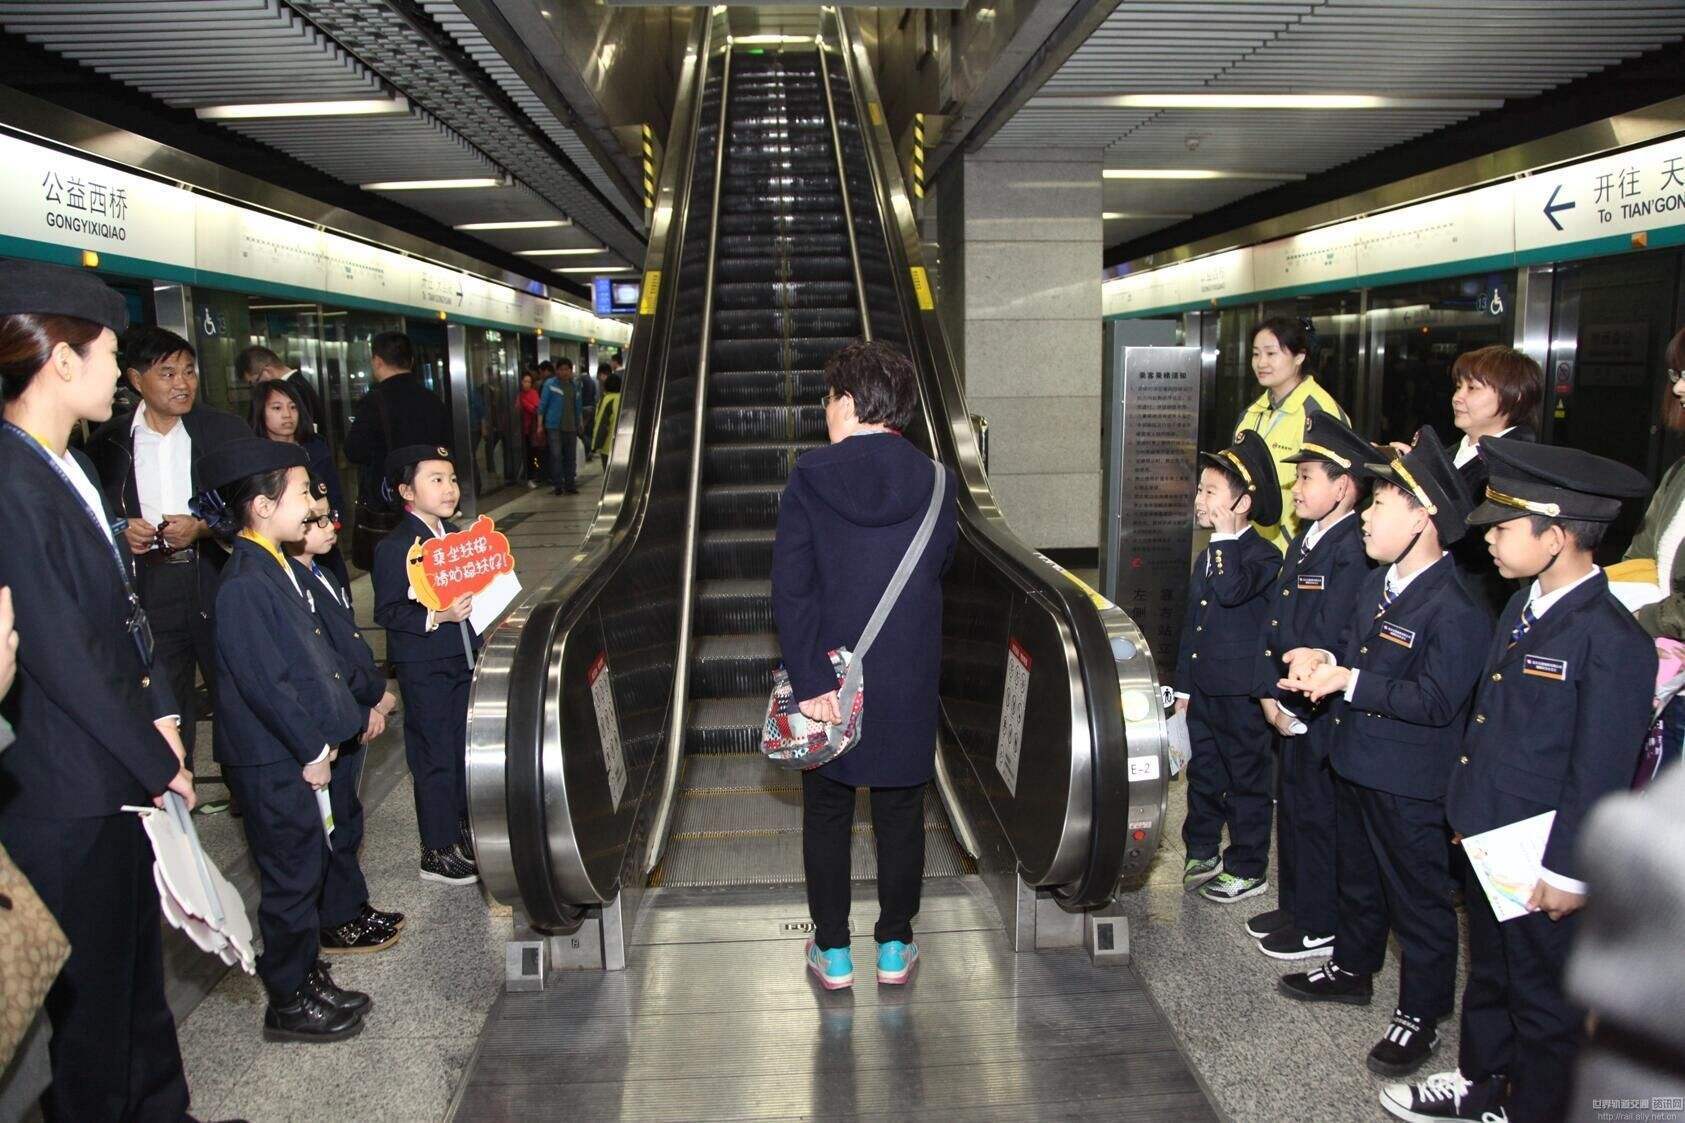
(1283, 429)
(403, 617)
(83, 704)
(1667, 616)
(339, 625)
(1559, 719)
(1417, 664)
(1227, 608)
(1312, 603)
(845, 521)
(283, 693)
(112, 448)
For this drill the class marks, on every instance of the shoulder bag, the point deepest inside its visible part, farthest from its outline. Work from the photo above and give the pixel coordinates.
(789, 737)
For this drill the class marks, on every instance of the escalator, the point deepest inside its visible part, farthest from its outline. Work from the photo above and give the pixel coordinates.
(616, 714)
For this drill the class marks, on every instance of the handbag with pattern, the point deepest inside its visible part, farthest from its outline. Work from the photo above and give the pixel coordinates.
(791, 738)
(32, 949)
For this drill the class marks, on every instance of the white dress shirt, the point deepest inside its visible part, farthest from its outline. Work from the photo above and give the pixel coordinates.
(163, 468)
(1317, 530)
(1467, 450)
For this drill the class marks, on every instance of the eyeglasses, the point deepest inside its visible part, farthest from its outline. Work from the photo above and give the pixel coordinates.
(329, 521)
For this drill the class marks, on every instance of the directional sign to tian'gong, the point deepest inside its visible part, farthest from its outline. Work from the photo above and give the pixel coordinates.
(1635, 191)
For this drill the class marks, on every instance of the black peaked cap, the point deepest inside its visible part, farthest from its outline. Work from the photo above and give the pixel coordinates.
(248, 456)
(55, 290)
(1250, 459)
(400, 458)
(1331, 441)
(1558, 483)
(1427, 473)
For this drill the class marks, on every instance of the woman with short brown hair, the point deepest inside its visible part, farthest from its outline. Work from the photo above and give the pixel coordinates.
(1495, 392)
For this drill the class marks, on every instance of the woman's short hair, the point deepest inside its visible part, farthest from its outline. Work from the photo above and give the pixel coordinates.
(263, 391)
(879, 377)
(1513, 375)
(1673, 414)
(27, 340)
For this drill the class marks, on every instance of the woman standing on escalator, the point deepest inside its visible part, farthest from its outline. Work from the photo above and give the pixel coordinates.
(846, 520)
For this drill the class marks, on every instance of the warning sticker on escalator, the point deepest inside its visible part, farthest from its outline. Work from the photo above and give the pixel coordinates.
(608, 728)
(1012, 702)
(651, 292)
(921, 288)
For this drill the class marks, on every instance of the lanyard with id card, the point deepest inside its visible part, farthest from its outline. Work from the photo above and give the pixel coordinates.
(137, 625)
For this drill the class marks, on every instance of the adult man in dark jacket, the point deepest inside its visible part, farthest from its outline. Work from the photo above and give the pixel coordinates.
(396, 412)
(148, 464)
(260, 364)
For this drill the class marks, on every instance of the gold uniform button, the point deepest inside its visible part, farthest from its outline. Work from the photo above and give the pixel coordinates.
(1462, 760)
(1497, 676)
(1363, 651)
(1336, 721)
(1199, 627)
(1480, 719)
(1284, 592)
(318, 631)
(336, 674)
(1203, 603)
(1268, 654)
(356, 635)
(1275, 623)
(1195, 655)
(146, 682)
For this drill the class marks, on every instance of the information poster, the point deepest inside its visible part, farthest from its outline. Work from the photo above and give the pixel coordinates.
(608, 728)
(1013, 701)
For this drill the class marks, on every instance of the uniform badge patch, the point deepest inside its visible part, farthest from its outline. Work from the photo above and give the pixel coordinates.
(1312, 581)
(1404, 637)
(1540, 667)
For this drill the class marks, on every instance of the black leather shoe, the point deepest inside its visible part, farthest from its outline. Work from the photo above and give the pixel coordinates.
(448, 866)
(372, 915)
(1328, 983)
(303, 1017)
(322, 988)
(356, 937)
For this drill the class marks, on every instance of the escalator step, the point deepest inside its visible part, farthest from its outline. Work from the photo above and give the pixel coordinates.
(762, 199)
(793, 245)
(733, 666)
(734, 553)
(725, 725)
(752, 463)
(763, 222)
(766, 423)
(766, 268)
(773, 294)
(742, 506)
(764, 387)
(769, 354)
(734, 606)
(773, 323)
(745, 181)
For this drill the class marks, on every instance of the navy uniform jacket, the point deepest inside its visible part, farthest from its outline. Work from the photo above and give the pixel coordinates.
(1417, 665)
(1559, 720)
(1226, 612)
(339, 625)
(283, 694)
(1312, 603)
(83, 705)
(403, 617)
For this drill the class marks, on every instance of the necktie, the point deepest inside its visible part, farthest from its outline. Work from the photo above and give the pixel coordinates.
(1305, 550)
(1523, 625)
(1387, 597)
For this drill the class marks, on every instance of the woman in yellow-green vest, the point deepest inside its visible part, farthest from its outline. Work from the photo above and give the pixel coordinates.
(1280, 347)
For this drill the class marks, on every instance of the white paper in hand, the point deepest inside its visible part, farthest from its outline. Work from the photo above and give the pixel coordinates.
(198, 900)
(1180, 746)
(491, 601)
(1507, 860)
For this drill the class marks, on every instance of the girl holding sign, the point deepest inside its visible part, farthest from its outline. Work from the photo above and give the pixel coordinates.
(282, 704)
(433, 652)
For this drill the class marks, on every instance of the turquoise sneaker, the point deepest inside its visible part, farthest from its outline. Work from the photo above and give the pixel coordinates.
(834, 968)
(895, 961)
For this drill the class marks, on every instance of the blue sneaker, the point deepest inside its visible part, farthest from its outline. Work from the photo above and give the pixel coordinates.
(834, 968)
(895, 961)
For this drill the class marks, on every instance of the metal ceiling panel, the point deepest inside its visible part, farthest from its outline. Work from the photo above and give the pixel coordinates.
(1478, 50)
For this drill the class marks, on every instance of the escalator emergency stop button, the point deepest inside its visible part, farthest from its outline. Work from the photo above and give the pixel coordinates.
(1139, 836)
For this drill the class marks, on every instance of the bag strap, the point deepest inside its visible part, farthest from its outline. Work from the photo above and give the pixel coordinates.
(904, 571)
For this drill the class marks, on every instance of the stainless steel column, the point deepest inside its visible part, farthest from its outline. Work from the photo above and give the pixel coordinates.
(462, 439)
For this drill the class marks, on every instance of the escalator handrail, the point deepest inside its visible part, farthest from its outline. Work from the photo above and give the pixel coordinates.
(507, 727)
(980, 513)
(847, 204)
(680, 704)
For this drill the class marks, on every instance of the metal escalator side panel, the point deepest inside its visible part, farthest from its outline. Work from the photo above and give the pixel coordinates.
(537, 767)
(1096, 692)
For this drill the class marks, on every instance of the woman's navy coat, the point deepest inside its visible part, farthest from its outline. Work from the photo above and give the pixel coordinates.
(846, 518)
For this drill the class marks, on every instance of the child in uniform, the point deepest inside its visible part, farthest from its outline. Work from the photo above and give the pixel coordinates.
(283, 705)
(1559, 718)
(1409, 658)
(349, 922)
(433, 653)
(1229, 771)
(1314, 599)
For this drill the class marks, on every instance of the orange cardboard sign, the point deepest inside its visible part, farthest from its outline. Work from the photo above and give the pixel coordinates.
(443, 569)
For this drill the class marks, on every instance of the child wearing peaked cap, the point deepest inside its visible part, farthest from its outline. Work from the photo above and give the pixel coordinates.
(1229, 770)
(1560, 715)
(433, 654)
(1400, 680)
(1314, 598)
(283, 704)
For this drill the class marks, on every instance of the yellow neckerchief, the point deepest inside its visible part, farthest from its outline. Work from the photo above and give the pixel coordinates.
(268, 547)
